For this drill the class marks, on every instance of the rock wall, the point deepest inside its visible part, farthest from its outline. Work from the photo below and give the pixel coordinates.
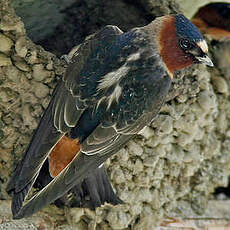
(180, 158)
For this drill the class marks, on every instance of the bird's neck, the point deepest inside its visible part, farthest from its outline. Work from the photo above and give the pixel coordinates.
(172, 55)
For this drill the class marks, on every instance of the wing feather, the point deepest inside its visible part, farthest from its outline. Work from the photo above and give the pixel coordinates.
(63, 112)
(72, 175)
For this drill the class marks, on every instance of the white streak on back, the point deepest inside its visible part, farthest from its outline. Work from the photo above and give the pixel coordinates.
(134, 57)
(112, 78)
(114, 96)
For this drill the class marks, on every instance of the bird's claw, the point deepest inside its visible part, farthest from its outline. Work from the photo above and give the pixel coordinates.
(65, 58)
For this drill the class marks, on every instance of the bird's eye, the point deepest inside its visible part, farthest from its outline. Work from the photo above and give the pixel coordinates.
(185, 44)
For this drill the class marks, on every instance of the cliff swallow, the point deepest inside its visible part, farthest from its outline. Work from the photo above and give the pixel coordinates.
(114, 85)
(214, 20)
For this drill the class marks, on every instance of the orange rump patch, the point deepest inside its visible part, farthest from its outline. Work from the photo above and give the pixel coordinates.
(62, 154)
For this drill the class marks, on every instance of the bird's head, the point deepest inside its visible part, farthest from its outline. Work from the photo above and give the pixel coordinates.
(181, 43)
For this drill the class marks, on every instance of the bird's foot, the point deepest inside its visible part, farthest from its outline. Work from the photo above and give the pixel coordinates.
(65, 58)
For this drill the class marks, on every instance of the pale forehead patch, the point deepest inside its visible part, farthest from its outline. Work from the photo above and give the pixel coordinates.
(203, 45)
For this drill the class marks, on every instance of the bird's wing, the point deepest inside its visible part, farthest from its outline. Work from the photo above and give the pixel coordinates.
(96, 148)
(63, 113)
(100, 147)
(54, 123)
(72, 175)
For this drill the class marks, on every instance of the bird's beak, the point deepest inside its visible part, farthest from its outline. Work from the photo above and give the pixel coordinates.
(205, 60)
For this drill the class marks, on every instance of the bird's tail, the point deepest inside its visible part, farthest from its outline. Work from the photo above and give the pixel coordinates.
(95, 190)
(92, 192)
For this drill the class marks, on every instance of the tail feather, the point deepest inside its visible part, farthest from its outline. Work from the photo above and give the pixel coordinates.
(43, 139)
(18, 199)
(98, 189)
(94, 191)
(27, 170)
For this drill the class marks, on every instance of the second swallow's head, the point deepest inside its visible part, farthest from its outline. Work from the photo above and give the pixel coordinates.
(181, 43)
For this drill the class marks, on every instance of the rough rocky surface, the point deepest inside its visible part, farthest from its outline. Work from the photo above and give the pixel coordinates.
(68, 25)
(181, 157)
